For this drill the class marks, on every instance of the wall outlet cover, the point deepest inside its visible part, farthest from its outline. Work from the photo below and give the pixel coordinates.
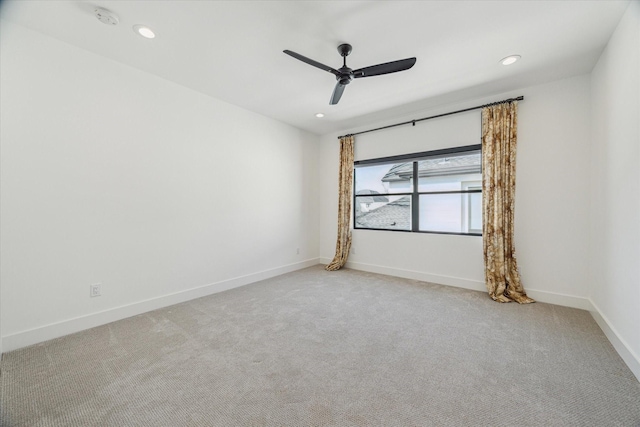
(95, 290)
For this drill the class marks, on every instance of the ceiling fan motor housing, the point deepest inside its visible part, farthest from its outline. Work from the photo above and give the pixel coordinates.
(346, 75)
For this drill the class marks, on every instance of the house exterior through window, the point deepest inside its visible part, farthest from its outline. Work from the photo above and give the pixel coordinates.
(434, 192)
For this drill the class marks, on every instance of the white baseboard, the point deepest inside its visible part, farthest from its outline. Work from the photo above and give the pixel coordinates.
(55, 330)
(475, 285)
(626, 353)
(415, 275)
(560, 299)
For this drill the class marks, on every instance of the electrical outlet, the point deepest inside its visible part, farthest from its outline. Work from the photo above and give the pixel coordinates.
(95, 289)
(298, 251)
(353, 250)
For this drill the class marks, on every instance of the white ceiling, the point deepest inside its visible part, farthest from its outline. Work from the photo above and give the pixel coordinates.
(232, 50)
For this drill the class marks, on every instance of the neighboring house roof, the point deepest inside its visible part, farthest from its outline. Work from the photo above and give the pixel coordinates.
(373, 199)
(392, 216)
(433, 167)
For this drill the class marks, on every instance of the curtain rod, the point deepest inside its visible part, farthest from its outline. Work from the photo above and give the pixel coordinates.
(519, 98)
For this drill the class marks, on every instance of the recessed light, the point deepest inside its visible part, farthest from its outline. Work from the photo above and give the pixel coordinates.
(144, 31)
(319, 115)
(510, 59)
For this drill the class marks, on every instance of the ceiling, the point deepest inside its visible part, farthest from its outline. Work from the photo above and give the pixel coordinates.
(232, 50)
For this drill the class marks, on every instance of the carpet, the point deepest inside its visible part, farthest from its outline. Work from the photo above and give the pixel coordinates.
(318, 348)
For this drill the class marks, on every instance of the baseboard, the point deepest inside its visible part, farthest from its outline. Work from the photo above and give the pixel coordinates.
(55, 330)
(415, 275)
(626, 353)
(560, 299)
(476, 285)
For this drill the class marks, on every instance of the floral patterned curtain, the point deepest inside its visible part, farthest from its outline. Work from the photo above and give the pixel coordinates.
(499, 138)
(345, 186)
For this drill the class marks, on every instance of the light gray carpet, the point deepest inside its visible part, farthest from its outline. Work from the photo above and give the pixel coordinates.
(318, 348)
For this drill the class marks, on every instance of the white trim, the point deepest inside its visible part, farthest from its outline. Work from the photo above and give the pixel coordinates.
(65, 327)
(458, 282)
(626, 353)
(560, 299)
(475, 285)
(55, 330)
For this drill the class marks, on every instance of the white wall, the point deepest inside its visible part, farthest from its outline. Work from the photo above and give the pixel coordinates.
(615, 182)
(111, 175)
(552, 199)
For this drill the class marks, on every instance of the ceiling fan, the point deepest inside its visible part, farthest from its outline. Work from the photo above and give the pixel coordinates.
(344, 75)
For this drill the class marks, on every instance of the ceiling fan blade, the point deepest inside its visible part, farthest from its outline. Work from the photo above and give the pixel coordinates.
(337, 93)
(312, 62)
(386, 68)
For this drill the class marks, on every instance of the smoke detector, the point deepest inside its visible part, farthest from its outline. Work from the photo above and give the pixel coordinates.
(105, 16)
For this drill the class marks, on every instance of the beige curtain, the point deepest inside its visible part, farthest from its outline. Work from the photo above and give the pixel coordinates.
(499, 138)
(345, 186)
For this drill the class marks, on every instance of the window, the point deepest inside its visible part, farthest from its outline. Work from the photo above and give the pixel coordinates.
(432, 192)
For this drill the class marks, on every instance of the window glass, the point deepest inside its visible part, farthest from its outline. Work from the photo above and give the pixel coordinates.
(447, 198)
(392, 213)
(475, 212)
(445, 173)
(384, 179)
(451, 212)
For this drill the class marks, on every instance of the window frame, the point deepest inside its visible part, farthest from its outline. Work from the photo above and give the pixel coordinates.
(415, 193)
